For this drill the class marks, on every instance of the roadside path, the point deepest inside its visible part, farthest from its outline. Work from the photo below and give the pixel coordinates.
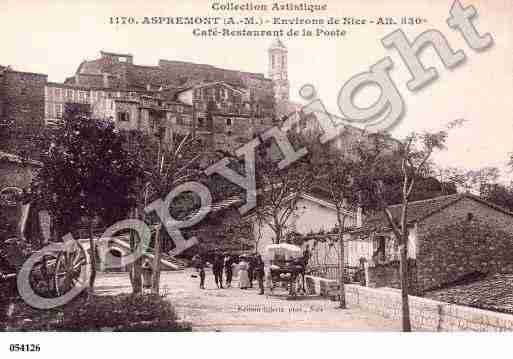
(233, 309)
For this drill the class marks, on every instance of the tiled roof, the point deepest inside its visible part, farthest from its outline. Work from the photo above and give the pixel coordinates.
(224, 204)
(9, 157)
(416, 210)
(200, 84)
(93, 67)
(115, 54)
(492, 293)
(419, 210)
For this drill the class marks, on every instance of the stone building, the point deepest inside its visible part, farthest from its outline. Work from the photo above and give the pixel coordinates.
(21, 110)
(223, 114)
(450, 238)
(129, 110)
(242, 103)
(28, 102)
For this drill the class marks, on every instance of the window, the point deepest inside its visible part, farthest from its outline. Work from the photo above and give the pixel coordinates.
(10, 195)
(57, 92)
(123, 116)
(228, 122)
(381, 247)
(201, 122)
(58, 110)
(179, 120)
(47, 110)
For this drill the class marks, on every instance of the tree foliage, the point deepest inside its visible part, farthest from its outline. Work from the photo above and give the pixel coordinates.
(87, 173)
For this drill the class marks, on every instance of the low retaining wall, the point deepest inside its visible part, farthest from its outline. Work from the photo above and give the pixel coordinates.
(321, 286)
(387, 275)
(427, 314)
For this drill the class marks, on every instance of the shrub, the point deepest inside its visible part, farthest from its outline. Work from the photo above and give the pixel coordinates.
(124, 312)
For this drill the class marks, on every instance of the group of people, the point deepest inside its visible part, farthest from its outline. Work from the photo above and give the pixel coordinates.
(249, 267)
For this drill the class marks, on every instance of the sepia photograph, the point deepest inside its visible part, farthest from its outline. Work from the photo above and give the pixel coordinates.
(254, 167)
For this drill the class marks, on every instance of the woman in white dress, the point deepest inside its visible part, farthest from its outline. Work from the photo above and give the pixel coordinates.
(243, 274)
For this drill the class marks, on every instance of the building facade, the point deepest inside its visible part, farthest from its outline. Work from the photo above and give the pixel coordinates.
(21, 110)
(450, 237)
(245, 103)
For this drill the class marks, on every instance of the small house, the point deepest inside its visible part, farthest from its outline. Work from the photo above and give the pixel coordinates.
(450, 238)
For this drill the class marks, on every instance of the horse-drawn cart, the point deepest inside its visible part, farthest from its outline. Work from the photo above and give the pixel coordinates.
(287, 267)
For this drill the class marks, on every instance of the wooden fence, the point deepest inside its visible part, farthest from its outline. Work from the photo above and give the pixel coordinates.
(331, 271)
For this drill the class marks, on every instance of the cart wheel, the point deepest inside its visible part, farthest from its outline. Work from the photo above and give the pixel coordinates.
(299, 284)
(41, 277)
(292, 288)
(68, 268)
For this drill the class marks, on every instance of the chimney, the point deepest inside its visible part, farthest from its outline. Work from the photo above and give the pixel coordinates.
(359, 217)
(105, 80)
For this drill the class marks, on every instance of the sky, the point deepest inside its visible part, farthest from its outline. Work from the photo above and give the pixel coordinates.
(53, 37)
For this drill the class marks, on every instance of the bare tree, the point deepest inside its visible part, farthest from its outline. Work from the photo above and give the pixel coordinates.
(279, 193)
(413, 154)
(338, 171)
(168, 163)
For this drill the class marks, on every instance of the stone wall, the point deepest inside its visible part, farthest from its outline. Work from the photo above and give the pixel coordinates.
(135, 76)
(383, 275)
(14, 174)
(427, 314)
(465, 238)
(24, 98)
(23, 106)
(3, 120)
(388, 275)
(89, 80)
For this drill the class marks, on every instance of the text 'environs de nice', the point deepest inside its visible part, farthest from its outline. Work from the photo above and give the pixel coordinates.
(275, 6)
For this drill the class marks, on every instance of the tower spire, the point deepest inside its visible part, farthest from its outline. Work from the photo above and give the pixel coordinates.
(278, 69)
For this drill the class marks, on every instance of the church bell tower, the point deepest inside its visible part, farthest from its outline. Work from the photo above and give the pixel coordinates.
(278, 70)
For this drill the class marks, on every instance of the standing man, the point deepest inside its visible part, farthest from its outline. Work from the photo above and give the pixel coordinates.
(251, 270)
(147, 273)
(217, 268)
(306, 258)
(199, 262)
(228, 270)
(259, 271)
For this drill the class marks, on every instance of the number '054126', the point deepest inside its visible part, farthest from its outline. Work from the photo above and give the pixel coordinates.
(24, 348)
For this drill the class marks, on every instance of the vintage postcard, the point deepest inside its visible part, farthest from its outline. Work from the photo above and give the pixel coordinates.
(255, 166)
